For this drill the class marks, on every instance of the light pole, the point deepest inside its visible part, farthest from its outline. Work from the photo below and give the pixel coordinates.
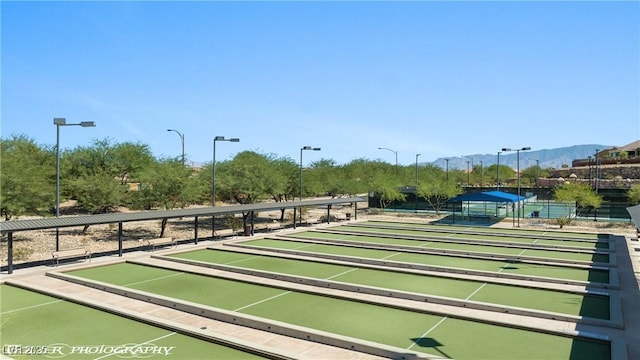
(518, 165)
(548, 197)
(181, 140)
(417, 182)
(597, 170)
(213, 179)
(481, 174)
(595, 212)
(62, 122)
(498, 173)
(301, 150)
(447, 169)
(393, 151)
(468, 175)
(589, 164)
(537, 174)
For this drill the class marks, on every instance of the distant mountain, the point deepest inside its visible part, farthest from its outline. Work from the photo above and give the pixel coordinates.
(547, 158)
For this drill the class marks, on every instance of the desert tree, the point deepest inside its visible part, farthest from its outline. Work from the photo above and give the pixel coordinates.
(27, 179)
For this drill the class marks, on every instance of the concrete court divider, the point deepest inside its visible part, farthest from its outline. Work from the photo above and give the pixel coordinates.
(428, 237)
(613, 277)
(250, 321)
(520, 233)
(459, 253)
(615, 321)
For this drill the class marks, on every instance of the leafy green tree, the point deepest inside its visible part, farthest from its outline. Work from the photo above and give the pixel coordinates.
(633, 194)
(283, 180)
(246, 179)
(98, 193)
(166, 184)
(27, 179)
(130, 159)
(361, 176)
(91, 177)
(322, 178)
(101, 174)
(458, 176)
(529, 175)
(437, 192)
(287, 172)
(505, 174)
(386, 190)
(580, 194)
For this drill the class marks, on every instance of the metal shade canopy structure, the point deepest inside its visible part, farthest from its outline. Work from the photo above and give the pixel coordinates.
(9, 227)
(488, 196)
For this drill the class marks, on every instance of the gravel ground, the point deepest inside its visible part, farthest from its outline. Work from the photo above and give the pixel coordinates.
(37, 246)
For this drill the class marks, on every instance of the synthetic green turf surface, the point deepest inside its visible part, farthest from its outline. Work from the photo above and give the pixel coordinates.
(33, 319)
(578, 244)
(486, 249)
(396, 327)
(484, 229)
(545, 300)
(558, 272)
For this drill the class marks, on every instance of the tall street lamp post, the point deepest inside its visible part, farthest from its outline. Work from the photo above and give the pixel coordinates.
(181, 140)
(481, 174)
(417, 182)
(597, 173)
(537, 173)
(468, 175)
(518, 169)
(589, 164)
(301, 150)
(447, 169)
(498, 173)
(62, 122)
(393, 151)
(213, 178)
(597, 170)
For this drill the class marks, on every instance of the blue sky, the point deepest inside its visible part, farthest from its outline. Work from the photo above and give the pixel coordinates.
(441, 79)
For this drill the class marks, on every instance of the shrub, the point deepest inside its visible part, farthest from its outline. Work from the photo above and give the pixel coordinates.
(22, 253)
(564, 220)
(323, 218)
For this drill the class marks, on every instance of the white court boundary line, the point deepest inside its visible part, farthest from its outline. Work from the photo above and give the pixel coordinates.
(263, 300)
(467, 298)
(154, 279)
(30, 307)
